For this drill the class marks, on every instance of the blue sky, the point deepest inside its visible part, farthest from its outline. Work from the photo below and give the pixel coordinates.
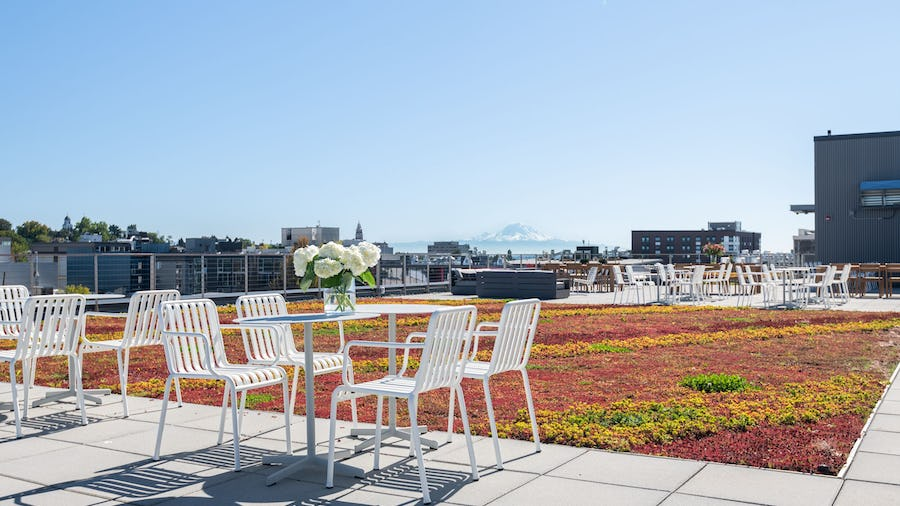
(434, 120)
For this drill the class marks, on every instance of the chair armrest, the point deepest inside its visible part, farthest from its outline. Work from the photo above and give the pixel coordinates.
(205, 347)
(486, 333)
(276, 329)
(377, 344)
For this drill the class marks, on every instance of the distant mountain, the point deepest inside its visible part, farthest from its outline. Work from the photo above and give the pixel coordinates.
(512, 233)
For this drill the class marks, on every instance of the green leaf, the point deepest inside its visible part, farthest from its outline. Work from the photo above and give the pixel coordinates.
(367, 278)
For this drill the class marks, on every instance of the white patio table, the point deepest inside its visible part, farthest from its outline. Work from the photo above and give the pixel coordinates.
(392, 310)
(793, 282)
(296, 463)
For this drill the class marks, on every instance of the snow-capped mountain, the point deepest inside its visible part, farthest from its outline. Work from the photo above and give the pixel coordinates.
(514, 232)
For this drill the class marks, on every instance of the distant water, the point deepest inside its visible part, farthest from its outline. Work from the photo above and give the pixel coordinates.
(499, 247)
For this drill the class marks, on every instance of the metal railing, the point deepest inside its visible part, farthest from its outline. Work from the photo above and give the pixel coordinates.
(211, 275)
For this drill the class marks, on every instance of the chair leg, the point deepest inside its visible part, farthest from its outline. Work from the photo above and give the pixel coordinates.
(123, 379)
(329, 473)
(378, 411)
(294, 388)
(492, 421)
(416, 446)
(162, 417)
(15, 395)
(122, 383)
(465, 421)
(222, 416)
(236, 436)
(178, 392)
(450, 415)
(530, 401)
(237, 430)
(287, 417)
(79, 388)
(28, 367)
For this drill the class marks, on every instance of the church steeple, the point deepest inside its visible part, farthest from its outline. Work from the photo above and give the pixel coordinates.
(359, 234)
(67, 224)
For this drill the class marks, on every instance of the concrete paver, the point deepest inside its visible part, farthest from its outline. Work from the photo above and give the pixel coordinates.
(763, 486)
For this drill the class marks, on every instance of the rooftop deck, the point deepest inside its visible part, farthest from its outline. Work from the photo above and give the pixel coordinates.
(109, 462)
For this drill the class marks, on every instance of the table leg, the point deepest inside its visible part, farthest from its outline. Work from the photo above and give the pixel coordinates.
(311, 461)
(392, 430)
(58, 396)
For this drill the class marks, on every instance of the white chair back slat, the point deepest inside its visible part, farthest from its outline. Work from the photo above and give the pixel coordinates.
(617, 274)
(262, 344)
(143, 326)
(51, 325)
(515, 333)
(447, 342)
(12, 299)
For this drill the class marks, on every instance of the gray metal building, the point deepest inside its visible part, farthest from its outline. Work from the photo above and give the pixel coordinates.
(857, 192)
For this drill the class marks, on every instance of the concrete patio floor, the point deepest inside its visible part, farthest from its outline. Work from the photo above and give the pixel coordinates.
(58, 461)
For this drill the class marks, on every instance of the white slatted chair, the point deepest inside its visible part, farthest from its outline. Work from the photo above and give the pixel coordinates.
(513, 336)
(841, 282)
(588, 282)
(263, 346)
(12, 298)
(143, 327)
(192, 341)
(744, 288)
(445, 351)
(624, 285)
(50, 325)
(693, 286)
(639, 282)
(822, 288)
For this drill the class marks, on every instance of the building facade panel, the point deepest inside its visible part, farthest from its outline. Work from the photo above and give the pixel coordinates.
(846, 229)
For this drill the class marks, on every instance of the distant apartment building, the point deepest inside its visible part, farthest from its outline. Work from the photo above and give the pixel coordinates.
(314, 235)
(857, 197)
(448, 248)
(687, 245)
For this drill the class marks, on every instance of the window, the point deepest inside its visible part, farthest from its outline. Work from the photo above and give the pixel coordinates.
(879, 193)
(671, 238)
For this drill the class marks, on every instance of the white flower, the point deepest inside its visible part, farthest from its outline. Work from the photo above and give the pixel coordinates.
(332, 250)
(370, 253)
(303, 256)
(354, 261)
(327, 267)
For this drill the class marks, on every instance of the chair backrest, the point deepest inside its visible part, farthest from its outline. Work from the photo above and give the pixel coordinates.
(144, 325)
(845, 273)
(697, 274)
(661, 273)
(740, 275)
(515, 333)
(447, 342)
(185, 321)
(726, 277)
(592, 274)
(263, 343)
(617, 273)
(50, 325)
(12, 299)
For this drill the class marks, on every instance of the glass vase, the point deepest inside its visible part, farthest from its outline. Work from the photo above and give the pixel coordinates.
(340, 299)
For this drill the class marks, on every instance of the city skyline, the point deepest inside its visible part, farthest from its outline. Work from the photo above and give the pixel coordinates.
(429, 121)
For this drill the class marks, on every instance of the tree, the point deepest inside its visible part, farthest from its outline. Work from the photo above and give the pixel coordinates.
(33, 231)
(19, 247)
(5, 225)
(115, 231)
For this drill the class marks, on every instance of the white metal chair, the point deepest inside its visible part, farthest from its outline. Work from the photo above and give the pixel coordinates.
(693, 286)
(513, 336)
(50, 325)
(822, 287)
(841, 283)
(12, 298)
(639, 281)
(192, 341)
(624, 285)
(263, 346)
(143, 327)
(445, 351)
(588, 282)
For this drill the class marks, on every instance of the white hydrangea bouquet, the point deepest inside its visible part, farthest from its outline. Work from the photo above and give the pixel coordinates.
(337, 268)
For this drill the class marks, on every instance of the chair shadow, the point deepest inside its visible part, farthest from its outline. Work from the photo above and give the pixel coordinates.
(47, 424)
(147, 478)
(404, 475)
